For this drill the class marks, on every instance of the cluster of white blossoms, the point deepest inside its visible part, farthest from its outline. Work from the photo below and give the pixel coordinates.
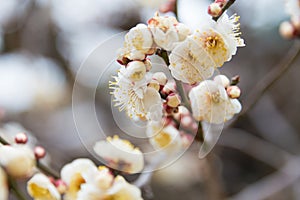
(291, 29)
(193, 58)
(82, 180)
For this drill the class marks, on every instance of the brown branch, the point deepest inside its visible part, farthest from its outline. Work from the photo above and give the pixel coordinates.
(226, 6)
(273, 183)
(268, 81)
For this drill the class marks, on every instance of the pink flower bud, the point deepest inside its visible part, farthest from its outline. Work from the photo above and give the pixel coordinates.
(234, 92)
(21, 138)
(215, 9)
(173, 100)
(154, 84)
(39, 152)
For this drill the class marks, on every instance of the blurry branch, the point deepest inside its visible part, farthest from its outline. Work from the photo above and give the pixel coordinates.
(214, 182)
(268, 81)
(3, 141)
(255, 147)
(273, 183)
(14, 187)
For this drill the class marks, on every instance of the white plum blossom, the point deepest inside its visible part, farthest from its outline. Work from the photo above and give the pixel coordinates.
(3, 185)
(165, 138)
(135, 97)
(196, 58)
(98, 181)
(19, 160)
(74, 175)
(122, 190)
(210, 102)
(120, 154)
(167, 31)
(138, 43)
(40, 187)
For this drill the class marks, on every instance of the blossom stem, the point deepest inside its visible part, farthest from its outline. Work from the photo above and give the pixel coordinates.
(226, 6)
(47, 170)
(14, 187)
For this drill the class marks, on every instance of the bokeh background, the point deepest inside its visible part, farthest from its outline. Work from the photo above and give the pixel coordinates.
(44, 42)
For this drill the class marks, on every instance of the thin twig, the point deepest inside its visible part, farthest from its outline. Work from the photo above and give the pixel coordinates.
(3, 141)
(226, 6)
(271, 184)
(268, 81)
(255, 147)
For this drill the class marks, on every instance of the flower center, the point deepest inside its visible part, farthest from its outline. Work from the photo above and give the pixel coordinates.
(215, 97)
(39, 192)
(211, 41)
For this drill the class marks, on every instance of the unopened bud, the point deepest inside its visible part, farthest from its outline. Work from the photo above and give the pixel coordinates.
(61, 186)
(160, 77)
(21, 138)
(154, 84)
(136, 70)
(222, 80)
(214, 9)
(286, 30)
(173, 100)
(39, 152)
(234, 92)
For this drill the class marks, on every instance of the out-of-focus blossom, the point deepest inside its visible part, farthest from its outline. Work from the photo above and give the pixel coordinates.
(167, 31)
(138, 43)
(40, 187)
(121, 189)
(292, 7)
(196, 58)
(164, 138)
(40, 77)
(18, 160)
(120, 154)
(3, 185)
(74, 175)
(210, 102)
(135, 97)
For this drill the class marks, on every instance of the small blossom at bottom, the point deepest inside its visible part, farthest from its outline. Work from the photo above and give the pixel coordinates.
(210, 102)
(120, 154)
(164, 138)
(122, 190)
(3, 185)
(74, 175)
(40, 187)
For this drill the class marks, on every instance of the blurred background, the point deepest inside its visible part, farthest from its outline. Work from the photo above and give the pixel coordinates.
(43, 43)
